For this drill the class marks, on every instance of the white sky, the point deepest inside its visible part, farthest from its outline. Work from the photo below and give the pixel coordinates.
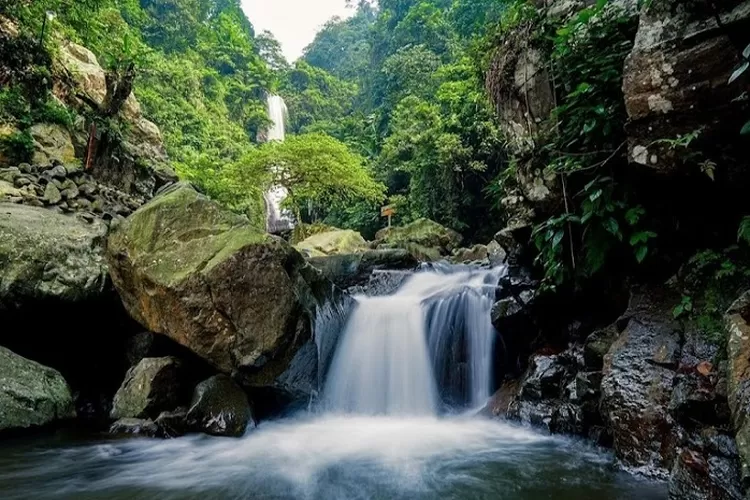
(293, 22)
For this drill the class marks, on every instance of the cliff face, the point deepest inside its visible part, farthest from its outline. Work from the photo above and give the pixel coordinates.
(68, 125)
(649, 378)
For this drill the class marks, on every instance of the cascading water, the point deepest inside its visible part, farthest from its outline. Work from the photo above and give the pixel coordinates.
(397, 350)
(277, 220)
(398, 356)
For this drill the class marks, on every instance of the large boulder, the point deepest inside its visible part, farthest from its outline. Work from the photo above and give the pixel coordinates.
(676, 79)
(44, 255)
(204, 276)
(638, 376)
(52, 143)
(422, 236)
(337, 242)
(31, 394)
(220, 408)
(150, 387)
(737, 321)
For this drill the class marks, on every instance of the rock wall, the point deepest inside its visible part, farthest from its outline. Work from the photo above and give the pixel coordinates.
(651, 387)
(676, 80)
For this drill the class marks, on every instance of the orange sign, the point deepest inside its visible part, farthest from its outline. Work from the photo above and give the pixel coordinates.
(387, 211)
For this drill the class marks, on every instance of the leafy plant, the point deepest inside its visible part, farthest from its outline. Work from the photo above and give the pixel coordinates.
(685, 307)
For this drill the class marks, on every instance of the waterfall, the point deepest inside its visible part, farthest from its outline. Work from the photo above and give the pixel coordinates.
(277, 113)
(277, 220)
(399, 353)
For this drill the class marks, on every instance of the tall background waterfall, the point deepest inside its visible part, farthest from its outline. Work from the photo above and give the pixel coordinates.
(277, 220)
(431, 343)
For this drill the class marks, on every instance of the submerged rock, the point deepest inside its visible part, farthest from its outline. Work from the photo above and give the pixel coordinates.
(208, 279)
(220, 408)
(150, 387)
(31, 394)
(134, 426)
(172, 424)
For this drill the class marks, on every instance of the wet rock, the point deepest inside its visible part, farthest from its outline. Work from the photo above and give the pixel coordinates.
(505, 308)
(135, 427)
(347, 271)
(172, 424)
(737, 320)
(598, 344)
(499, 403)
(703, 474)
(544, 377)
(31, 394)
(220, 408)
(638, 376)
(150, 387)
(496, 254)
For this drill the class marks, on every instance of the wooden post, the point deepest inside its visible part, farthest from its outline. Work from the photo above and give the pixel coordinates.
(91, 146)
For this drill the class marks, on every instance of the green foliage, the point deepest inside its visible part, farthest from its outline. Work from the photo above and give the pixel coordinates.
(200, 76)
(314, 168)
(685, 307)
(17, 147)
(710, 281)
(401, 87)
(601, 223)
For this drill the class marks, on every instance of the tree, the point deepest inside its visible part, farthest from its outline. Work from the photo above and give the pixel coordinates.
(314, 168)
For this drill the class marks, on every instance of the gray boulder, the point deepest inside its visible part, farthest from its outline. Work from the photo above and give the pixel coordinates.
(220, 408)
(31, 394)
(150, 387)
(44, 255)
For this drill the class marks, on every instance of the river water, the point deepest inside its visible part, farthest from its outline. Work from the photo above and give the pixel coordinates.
(323, 458)
(381, 431)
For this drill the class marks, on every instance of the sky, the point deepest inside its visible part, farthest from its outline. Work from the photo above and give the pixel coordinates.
(294, 23)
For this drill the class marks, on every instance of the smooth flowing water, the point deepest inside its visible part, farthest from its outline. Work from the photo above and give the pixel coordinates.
(381, 432)
(277, 220)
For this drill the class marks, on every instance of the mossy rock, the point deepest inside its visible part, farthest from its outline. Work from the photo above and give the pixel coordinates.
(207, 278)
(303, 231)
(422, 234)
(337, 242)
(31, 394)
(44, 255)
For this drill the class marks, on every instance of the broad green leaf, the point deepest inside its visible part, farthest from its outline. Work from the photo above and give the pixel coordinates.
(739, 71)
(640, 253)
(558, 238)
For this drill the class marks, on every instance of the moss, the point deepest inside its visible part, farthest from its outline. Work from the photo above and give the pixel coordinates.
(194, 235)
(422, 233)
(341, 241)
